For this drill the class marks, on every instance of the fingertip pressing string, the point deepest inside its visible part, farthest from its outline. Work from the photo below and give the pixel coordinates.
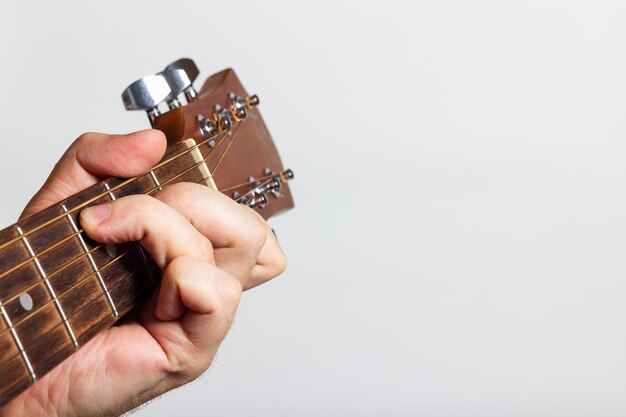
(234, 131)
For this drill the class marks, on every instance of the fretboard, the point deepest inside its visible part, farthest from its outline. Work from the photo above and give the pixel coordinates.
(59, 288)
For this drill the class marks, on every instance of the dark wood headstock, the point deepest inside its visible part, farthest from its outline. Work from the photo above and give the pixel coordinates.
(241, 157)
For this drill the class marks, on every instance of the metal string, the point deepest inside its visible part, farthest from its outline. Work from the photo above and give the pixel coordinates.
(104, 194)
(85, 255)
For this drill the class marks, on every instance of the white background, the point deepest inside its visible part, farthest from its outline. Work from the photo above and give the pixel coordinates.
(458, 243)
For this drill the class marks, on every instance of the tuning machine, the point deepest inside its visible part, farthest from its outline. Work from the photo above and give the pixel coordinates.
(239, 105)
(146, 94)
(207, 128)
(259, 188)
(180, 76)
(257, 201)
(222, 118)
(150, 91)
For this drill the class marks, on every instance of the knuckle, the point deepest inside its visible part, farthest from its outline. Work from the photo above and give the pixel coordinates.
(132, 216)
(84, 138)
(229, 294)
(256, 232)
(205, 249)
(176, 268)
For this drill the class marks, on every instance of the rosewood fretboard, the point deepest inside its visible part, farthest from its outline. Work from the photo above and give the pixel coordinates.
(58, 288)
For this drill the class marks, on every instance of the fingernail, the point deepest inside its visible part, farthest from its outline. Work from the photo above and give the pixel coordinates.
(96, 214)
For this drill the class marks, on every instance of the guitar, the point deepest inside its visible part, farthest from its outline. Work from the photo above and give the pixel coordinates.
(59, 288)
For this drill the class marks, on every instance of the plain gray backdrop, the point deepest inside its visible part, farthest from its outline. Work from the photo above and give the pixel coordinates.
(458, 243)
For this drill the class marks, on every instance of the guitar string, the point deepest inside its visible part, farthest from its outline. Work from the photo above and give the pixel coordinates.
(41, 339)
(122, 184)
(33, 312)
(232, 187)
(104, 194)
(233, 136)
(85, 255)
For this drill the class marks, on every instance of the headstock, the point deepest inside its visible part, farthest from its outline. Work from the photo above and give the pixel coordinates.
(224, 121)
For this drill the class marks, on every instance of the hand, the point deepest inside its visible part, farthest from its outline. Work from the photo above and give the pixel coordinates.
(209, 249)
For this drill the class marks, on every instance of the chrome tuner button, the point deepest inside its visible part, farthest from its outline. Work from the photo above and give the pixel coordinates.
(146, 94)
(258, 201)
(238, 106)
(180, 75)
(225, 123)
(252, 100)
(207, 127)
(273, 185)
(287, 175)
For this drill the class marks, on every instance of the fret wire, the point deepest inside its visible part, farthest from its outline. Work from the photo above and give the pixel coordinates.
(108, 188)
(92, 263)
(77, 233)
(18, 343)
(155, 180)
(76, 284)
(115, 188)
(65, 266)
(93, 199)
(30, 259)
(41, 339)
(48, 286)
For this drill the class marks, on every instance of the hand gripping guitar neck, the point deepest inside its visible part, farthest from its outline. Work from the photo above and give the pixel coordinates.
(58, 288)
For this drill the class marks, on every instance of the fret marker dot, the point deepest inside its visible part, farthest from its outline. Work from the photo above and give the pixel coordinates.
(111, 250)
(26, 301)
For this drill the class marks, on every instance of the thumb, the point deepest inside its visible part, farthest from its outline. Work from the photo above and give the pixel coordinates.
(94, 156)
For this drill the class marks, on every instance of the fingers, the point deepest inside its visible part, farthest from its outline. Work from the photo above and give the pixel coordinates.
(117, 155)
(244, 245)
(193, 285)
(191, 314)
(271, 262)
(96, 155)
(197, 300)
(164, 232)
(190, 219)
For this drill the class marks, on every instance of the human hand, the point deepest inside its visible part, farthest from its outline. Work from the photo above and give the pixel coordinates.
(209, 249)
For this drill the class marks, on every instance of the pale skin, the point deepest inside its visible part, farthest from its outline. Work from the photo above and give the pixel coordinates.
(209, 249)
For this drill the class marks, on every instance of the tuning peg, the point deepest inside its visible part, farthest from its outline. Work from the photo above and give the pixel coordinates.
(180, 75)
(146, 94)
(287, 175)
(252, 100)
(257, 201)
(207, 128)
(238, 106)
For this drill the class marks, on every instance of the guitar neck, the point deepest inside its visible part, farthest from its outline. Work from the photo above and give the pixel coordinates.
(59, 288)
